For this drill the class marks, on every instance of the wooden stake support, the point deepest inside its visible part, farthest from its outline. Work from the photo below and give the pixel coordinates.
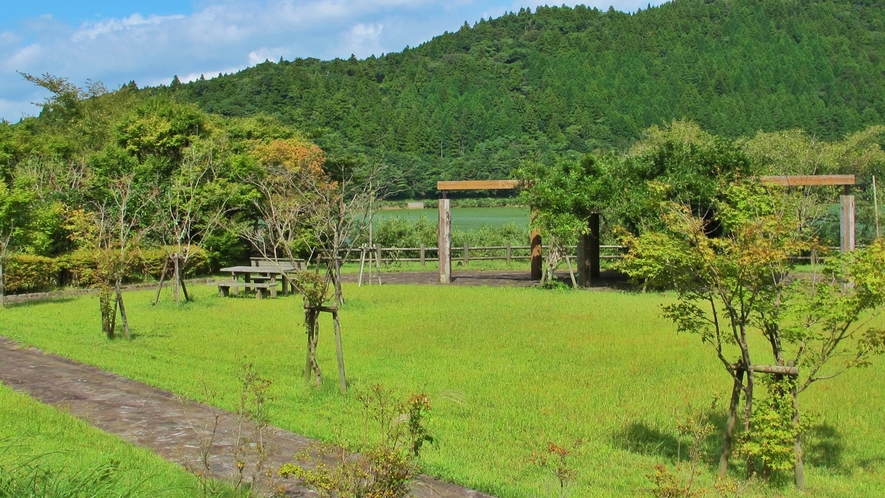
(313, 322)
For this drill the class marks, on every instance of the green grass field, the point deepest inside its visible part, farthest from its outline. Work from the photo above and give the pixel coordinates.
(465, 219)
(48, 453)
(508, 370)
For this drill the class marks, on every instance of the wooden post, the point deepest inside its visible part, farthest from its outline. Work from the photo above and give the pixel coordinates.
(184, 286)
(593, 252)
(444, 244)
(507, 253)
(422, 256)
(537, 256)
(846, 222)
(122, 308)
(310, 319)
(362, 264)
(571, 271)
(176, 271)
(342, 379)
(160, 285)
(466, 254)
(2, 286)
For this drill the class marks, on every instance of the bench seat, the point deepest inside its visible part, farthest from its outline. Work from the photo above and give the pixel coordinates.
(261, 288)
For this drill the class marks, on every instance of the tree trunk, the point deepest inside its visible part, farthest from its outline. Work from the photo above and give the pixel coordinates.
(308, 364)
(729, 425)
(312, 368)
(336, 279)
(122, 311)
(799, 470)
(108, 312)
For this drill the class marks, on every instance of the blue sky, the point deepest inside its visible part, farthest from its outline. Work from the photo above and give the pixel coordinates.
(115, 41)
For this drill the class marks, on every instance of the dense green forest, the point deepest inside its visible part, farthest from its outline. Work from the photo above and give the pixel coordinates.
(561, 82)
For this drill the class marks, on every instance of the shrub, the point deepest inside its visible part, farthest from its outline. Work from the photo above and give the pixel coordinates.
(149, 262)
(79, 268)
(27, 273)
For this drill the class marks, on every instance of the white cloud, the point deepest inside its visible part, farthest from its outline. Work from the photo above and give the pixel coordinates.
(95, 30)
(364, 39)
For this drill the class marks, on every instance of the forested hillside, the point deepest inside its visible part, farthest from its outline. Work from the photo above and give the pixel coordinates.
(560, 82)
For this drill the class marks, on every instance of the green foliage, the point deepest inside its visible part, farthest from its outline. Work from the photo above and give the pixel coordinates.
(559, 82)
(770, 446)
(564, 195)
(385, 466)
(83, 267)
(15, 215)
(160, 127)
(397, 231)
(26, 273)
(739, 284)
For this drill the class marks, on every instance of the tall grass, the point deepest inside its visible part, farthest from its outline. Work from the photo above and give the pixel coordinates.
(508, 371)
(45, 453)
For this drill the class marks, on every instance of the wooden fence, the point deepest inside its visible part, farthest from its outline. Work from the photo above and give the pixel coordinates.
(465, 253)
(508, 253)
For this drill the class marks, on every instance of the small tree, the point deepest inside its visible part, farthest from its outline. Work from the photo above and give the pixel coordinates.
(344, 211)
(194, 203)
(112, 226)
(295, 197)
(744, 282)
(562, 197)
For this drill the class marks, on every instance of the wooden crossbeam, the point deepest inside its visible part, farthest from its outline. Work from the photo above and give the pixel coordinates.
(806, 180)
(478, 185)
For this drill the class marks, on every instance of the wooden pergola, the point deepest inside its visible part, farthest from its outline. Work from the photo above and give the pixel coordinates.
(588, 247)
(589, 244)
(847, 213)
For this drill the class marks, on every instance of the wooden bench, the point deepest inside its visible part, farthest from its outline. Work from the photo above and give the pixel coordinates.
(261, 288)
(283, 264)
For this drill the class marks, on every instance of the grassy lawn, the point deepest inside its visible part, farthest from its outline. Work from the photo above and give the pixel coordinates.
(508, 370)
(48, 453)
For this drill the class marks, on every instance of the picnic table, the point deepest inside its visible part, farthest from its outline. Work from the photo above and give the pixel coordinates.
(261, 278)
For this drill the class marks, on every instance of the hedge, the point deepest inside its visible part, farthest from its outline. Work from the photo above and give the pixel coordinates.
(27, 273)
(79, 268)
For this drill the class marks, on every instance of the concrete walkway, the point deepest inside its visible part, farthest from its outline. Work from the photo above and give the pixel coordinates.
(176, 429)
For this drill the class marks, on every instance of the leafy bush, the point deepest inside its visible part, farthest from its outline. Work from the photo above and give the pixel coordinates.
(401, 232)
(150, 262)
(79, 268)
(27, 273)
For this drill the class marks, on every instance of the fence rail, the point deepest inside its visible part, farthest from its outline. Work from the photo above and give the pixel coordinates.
(508, 253)
(465, 253)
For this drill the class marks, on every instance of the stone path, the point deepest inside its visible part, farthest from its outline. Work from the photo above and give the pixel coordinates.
(146, 416)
